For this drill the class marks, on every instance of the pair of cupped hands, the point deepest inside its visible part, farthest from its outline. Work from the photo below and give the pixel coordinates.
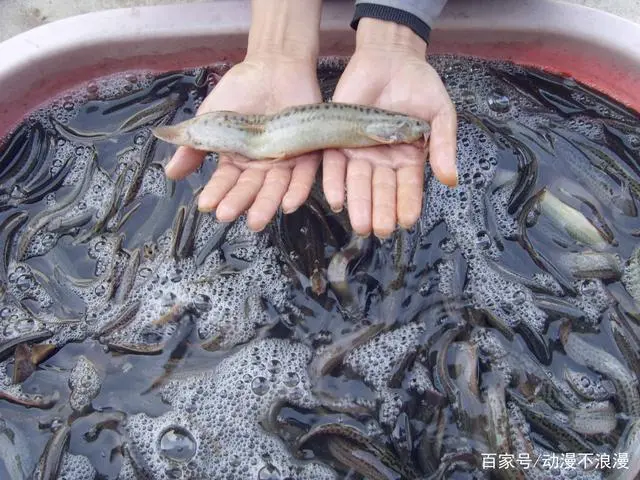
(384, 184)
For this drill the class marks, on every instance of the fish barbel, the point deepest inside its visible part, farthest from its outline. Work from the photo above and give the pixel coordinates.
(295, 130)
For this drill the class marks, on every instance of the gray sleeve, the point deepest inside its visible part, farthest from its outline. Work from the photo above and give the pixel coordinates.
(419, 15)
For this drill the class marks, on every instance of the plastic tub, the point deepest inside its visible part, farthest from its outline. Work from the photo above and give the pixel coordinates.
(596, 48)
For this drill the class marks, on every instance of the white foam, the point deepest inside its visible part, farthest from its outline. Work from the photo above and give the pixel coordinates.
(84, 382)
(375, 361)
(222, 410)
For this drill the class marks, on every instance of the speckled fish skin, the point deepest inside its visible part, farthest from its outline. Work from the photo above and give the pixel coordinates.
(295, 130)
(629, 444)
(571, 220)
(631, 275)
(606, 364)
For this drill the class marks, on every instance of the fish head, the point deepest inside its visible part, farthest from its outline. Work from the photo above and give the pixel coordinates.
(409, 130)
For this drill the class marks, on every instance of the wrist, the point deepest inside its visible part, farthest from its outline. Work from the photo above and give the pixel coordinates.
(284, 29)
(387, 36)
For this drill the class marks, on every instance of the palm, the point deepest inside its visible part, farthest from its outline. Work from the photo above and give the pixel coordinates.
(238, 184)
(384, 184)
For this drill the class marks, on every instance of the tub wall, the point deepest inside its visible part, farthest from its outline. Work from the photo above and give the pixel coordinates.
(596, 48)
(21, 15)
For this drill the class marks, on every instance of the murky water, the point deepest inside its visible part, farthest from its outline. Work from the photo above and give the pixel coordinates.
(141, 339)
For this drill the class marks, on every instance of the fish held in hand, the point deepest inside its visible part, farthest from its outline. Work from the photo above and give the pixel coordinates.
(295, 130)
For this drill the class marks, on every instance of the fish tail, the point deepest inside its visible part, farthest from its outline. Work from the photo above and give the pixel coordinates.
(176, 134)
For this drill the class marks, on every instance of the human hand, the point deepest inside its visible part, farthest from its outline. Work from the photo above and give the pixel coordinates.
(279, 71)
(384, 184)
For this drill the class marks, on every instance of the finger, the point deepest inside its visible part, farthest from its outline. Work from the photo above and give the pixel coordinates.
(359, 195)
(394, 157)
(222, 180)
(442, 146)
(244, 163)
(183, 162)
(268, 199)
(410, 191)
(241, 195)
(377, 156)
(334, 166)
(384, 201)
(302, 177)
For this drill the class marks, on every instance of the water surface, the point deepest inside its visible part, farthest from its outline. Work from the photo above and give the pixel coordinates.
(185, 348)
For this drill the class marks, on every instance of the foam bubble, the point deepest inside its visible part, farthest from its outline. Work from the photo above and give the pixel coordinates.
(218, 416)
(375, 361)
(84, 382)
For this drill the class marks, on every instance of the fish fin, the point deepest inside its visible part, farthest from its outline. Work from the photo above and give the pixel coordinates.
(277, 157)
(175, 134)
(254, 127)
(252, 123)
(385, 134)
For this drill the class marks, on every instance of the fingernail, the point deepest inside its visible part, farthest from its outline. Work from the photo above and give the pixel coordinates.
(361, 232)
(286, 206)
(407, 225)
(204, 204)
(255, 230)
(289, 210)
(257, 221)
(336, 208)
(224, 213)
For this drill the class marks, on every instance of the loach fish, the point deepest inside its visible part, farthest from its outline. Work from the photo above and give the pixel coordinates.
(593, 418)
(571, 220)
(584, 353)
(629, 448)
(295, 130)
(631, 275)
(589, 264)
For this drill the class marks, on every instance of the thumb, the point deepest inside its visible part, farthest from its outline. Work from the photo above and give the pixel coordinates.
(443, 146)
(357, 85)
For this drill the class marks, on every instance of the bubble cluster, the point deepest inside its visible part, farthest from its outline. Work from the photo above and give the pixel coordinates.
(66, 106)
(24, 286)
(547, 282)
(15, 323)
(495, 351)
(154, 182)
(375, 361)
(586, 385)
(78, 155)
(593, 299)
(213, 428)
(228, 312)
(76, 467)
(509, 303)
(506, 224)
(462, 210)
(84, 382)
